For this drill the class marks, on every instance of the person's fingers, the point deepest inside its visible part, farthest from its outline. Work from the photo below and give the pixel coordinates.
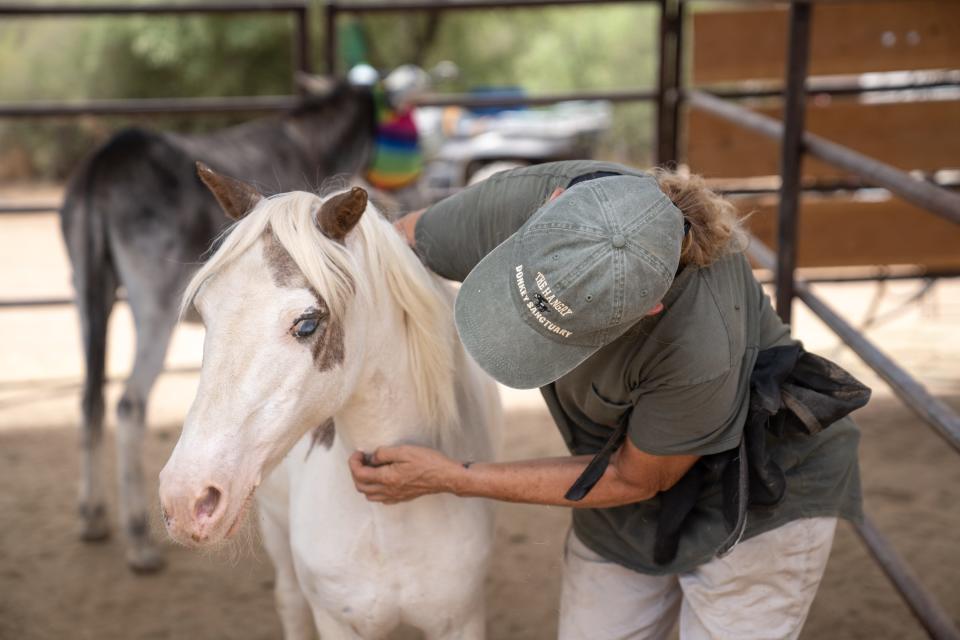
(361, 485)
(364, 473)
(388, 455)
(355, 461)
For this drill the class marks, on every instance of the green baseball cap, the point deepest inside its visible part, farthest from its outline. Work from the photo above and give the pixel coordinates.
(581, 271)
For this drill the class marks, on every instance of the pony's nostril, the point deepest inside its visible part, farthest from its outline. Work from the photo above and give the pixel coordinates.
(207, 503)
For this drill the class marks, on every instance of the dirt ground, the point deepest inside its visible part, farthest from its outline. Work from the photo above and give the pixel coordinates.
(54, 586)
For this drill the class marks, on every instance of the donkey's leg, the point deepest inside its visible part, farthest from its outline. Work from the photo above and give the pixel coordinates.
(155, 319)
(94, 310)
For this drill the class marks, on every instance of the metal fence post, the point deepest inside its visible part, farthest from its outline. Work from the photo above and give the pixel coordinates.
(925, 608)
(302, 54)
(668, 82)
(677, 97)
(791, 155)
(330, 21)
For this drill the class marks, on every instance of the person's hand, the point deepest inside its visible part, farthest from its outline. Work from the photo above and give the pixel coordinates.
(556, 193)
(407, 225)
(405, 472)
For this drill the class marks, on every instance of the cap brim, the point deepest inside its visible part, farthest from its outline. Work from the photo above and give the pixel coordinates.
(496, 336)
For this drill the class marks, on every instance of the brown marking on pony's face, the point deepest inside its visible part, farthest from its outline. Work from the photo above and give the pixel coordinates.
(283, 269)
(323, 436)
(328, 351)
(326, 343)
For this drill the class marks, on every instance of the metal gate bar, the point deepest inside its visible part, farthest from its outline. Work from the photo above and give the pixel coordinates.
(29, 208)
(471, 100)
(925, 195)
(791, 156)
(153, 8)
(668, 82)
(148, 106)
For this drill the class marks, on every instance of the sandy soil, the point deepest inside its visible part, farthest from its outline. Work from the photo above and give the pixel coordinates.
(53, 586)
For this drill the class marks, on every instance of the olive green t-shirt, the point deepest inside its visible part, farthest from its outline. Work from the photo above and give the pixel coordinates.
(685, 373)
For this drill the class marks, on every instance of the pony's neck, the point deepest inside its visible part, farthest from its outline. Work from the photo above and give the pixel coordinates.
(383, 409)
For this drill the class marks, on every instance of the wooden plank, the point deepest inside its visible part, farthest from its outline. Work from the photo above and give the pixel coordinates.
(847, 38)
(838, 232)
(908, 135)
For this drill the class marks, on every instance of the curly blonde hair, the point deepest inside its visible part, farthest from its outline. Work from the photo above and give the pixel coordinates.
(716, 229)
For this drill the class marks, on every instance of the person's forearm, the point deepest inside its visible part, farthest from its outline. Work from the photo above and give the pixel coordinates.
(546, 481)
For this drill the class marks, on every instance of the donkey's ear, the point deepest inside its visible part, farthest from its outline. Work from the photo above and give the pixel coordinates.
(339, 214)
(316, 86)
(236, 197)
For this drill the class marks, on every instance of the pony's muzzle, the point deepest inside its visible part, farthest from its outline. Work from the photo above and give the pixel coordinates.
(192, 516)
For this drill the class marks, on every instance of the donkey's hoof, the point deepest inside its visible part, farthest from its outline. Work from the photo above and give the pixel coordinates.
(94, 532)
(145, 560)
(93, 524)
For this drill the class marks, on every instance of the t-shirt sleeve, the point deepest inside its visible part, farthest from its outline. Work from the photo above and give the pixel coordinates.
(456, 233)
(773, 332)
(696, 419)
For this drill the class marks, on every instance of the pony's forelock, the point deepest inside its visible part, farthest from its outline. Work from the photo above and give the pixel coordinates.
(389, 269)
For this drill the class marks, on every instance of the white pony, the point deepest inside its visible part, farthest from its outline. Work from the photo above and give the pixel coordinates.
(324, 335)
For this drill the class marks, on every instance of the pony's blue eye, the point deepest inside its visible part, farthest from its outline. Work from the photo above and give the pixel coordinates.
(307, 324)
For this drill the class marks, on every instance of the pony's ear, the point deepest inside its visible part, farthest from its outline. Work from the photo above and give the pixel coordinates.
(236, 197)
(341, 213)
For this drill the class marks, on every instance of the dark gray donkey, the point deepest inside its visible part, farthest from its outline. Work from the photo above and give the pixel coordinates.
(136, 215)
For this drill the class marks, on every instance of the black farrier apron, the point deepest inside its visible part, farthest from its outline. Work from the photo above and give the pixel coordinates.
(791, 390)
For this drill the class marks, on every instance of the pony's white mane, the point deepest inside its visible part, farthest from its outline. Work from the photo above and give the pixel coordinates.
(388, 268)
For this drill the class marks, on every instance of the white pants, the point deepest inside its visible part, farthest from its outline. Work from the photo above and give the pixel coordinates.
(762, 590)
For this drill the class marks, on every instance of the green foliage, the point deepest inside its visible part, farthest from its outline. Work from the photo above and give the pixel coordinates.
(548, 50)
(557, 49)
(145, 56)
(119, 57)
